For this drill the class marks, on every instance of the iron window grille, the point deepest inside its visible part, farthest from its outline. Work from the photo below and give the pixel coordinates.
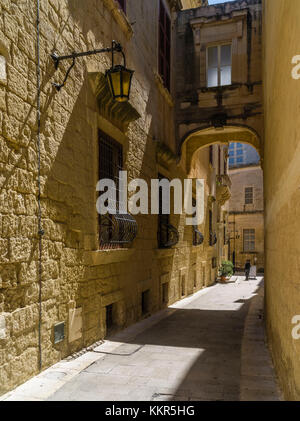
(122, 4)
(249, 240)
(115, 229)
(198, 237)
(164, 60)
(167, 234)
(212, 235)
(248, 195)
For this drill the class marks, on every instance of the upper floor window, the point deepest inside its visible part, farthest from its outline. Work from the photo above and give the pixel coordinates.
(110, 163)
(164, 59)
(248, 195)
(122, 4)
(115, 229)
(249, 240)
(219, 65)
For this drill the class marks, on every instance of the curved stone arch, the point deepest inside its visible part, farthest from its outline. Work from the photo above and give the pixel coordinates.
(200, 138)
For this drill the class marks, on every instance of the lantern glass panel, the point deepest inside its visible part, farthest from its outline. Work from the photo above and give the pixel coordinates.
(126, 78)
(119, 79)
(116, 83)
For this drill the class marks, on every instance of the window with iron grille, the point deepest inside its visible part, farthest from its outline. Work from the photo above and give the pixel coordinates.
(248, 195)
(167, 235)
(249, 240)
(122, 4)
(163, 221)
(212, 235)
(164, 59)
(110, 163)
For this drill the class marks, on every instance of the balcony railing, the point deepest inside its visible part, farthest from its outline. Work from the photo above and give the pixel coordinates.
(168, 235)
(223, 183)
(116, 230)
(198, 237)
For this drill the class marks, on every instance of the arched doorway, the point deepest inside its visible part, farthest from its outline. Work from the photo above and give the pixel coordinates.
(234, 189)
(224, 135)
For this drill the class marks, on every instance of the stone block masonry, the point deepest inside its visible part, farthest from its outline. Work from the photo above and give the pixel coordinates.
(78, 279)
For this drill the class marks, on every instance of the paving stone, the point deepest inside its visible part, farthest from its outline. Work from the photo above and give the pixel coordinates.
(199, 351)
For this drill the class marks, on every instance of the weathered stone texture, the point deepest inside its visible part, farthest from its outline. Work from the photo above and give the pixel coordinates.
(281, 186)
(75, 273)
(236, 107)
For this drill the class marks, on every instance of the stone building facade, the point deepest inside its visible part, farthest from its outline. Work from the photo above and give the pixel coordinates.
(60, 288)
(246, 217)
(218, 76)
(281, 189)
(190, 4)
(162, 131)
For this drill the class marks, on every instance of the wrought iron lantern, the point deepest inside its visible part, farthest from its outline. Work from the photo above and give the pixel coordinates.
(119, 79)
(167, 235)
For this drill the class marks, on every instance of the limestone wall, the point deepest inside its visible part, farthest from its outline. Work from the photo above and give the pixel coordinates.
(78, 280)
(241, 178)
(244, 216)
(281, 186)
(240, 103)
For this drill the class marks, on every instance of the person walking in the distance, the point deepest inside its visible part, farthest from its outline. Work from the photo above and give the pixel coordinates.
(247, 269)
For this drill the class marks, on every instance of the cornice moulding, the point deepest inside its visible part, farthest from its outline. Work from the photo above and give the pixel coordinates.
(119, 16)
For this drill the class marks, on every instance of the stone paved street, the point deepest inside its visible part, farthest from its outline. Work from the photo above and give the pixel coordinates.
(207, 347)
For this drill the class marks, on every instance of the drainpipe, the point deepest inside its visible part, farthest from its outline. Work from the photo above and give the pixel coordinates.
(38, 144)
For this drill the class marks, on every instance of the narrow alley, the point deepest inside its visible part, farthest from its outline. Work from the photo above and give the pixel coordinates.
(209, 346)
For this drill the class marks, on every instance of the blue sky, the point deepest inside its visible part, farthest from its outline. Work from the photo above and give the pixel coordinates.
(217, 1)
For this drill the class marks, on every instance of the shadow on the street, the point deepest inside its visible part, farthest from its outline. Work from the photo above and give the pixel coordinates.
(216, 334)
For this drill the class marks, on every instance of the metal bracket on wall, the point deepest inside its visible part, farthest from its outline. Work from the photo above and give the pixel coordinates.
(116, 46)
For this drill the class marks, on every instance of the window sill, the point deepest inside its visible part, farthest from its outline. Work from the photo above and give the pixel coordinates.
(163, 90)
(104, 257)
(120, 17)
(214, 89)
(161, 252)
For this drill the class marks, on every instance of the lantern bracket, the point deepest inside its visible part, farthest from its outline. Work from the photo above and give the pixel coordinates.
(116, 47)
